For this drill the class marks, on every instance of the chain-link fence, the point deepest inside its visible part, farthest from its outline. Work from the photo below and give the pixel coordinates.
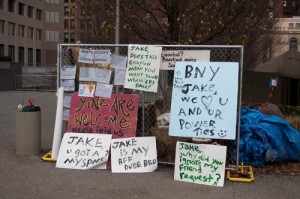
(36, 82)
(152, 105)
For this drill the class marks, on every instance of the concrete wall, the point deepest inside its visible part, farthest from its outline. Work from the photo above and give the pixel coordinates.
(8, 72)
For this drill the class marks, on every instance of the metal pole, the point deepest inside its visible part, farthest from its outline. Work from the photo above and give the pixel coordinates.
(117, 41)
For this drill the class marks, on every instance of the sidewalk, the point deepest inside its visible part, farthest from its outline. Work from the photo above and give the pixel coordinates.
(28, 177)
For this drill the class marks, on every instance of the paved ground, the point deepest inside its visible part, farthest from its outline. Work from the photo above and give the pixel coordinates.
(28, 177)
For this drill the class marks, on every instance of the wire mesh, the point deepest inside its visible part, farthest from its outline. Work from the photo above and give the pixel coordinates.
(152, 105)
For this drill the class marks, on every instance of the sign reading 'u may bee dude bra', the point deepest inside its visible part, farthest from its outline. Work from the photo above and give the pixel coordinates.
(204, 100)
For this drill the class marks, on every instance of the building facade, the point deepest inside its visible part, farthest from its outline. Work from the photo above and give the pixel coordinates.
(31, 30)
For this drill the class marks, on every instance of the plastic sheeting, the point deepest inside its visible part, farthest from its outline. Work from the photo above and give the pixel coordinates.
(265, 138)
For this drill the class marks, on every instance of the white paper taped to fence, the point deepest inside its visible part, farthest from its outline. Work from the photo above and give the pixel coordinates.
(133, 155)
(84, 151)
(200, 163)
(86, 56)
(170, 57)
(204, 100)
(102, 57)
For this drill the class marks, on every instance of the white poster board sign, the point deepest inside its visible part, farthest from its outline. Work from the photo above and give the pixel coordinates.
(170, 57)
(84, 151)
(133, 155)
(204, 100)
(200, 163)
(143, 67)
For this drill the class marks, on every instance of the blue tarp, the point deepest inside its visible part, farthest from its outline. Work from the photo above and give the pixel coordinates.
(265, 138)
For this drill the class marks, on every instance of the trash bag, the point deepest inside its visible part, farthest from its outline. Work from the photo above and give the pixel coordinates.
(265, 138)
(29, 108)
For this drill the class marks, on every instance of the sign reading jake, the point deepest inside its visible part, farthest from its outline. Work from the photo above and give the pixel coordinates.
(84, 151)
(200, 163)
(204, 100)
(133, 155)
(143, 67)
(116, 115)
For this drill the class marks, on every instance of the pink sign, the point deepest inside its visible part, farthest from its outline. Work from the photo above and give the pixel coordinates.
(116, 115)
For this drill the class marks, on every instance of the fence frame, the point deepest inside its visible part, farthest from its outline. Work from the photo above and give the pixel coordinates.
(117, 47)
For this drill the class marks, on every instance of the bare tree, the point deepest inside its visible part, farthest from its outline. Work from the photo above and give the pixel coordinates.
(223, 22)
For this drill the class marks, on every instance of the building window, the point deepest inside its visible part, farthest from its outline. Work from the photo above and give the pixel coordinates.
(52, 17)
(21, 55)
(52, 36)
(67, 11)
(11, 5)
(30, 57)
(293, 43)
(30, 32)
(297, 25)
(21, 9)
(1, 4)
(38, 34)
(38, 57)
(38, 14)
(21, 30)
(30, 12)
(1, 50)
(66, 38)
(52, 1)
(291, 25)
(11, 53)
(66, 24)
(72, 24)
(73, 37)
(11, 28)
(2, 26)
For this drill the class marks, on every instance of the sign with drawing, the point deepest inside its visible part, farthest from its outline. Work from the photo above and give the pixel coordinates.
(204, 100)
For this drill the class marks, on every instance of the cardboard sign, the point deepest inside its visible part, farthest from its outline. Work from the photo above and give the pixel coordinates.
(83, 151)
(200, 163)
(116, 115)
(170, 57)
(134, 155)
(204, 100)
(143, 67)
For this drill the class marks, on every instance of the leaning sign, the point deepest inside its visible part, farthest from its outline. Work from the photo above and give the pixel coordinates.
(200, 163)
(204, 100)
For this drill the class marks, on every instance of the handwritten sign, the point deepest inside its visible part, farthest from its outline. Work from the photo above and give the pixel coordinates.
(170, 57)
(116, 115)
(134, 155)
(204, 100)
(86, 56)
(84, 151)
(200, 163)
(143, 67)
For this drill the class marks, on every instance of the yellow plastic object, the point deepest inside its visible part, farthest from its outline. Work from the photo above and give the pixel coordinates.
(48, 158)
(243, 174)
